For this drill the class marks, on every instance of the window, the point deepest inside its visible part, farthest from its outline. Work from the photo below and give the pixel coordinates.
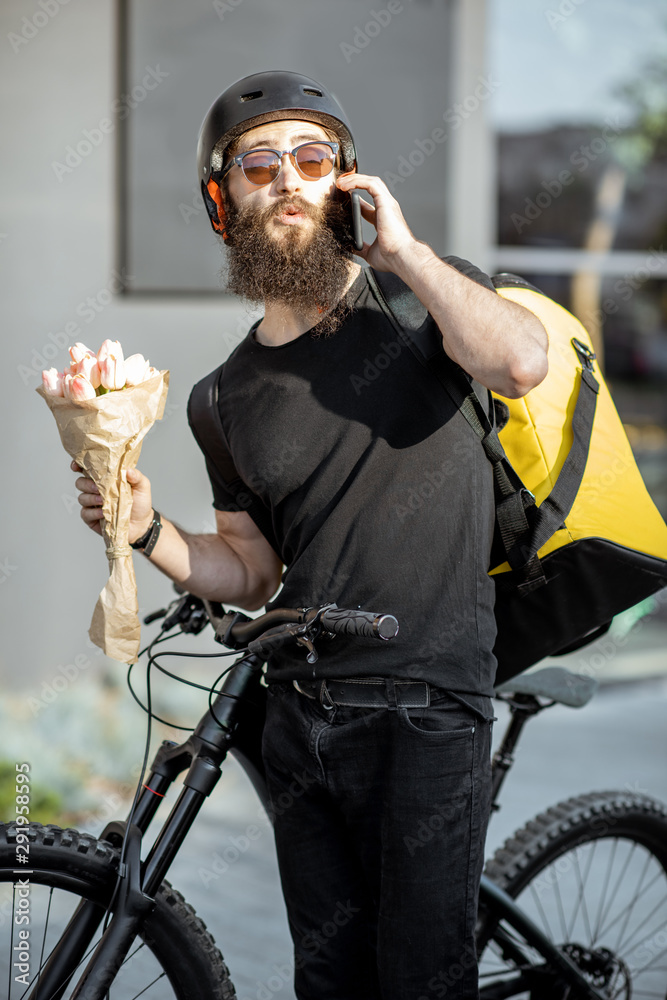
(580, 123)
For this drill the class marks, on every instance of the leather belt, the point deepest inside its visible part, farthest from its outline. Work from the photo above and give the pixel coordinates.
(367, 692)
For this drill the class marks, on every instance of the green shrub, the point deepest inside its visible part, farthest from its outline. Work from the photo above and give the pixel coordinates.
(44, 804)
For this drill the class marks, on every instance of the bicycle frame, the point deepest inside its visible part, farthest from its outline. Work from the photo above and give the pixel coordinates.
(227, 726)
(202, 755)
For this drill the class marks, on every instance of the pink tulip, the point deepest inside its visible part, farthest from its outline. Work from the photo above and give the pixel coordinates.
(136, 369)
(110, 348)
(78, 388)
(52, 380)
(112, 371)
(78, 352)
(89, 367)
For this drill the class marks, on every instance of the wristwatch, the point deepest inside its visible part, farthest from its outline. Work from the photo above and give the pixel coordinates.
(147, 541)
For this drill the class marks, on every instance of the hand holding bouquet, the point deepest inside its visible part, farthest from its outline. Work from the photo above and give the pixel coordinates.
(104, 405)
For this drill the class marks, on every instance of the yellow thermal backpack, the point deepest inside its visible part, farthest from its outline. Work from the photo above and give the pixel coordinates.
(578, 538)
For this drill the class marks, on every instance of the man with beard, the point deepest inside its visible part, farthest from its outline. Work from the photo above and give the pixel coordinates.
(379, 496)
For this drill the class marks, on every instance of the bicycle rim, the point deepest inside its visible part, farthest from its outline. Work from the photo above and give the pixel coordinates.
(173, 959)
(592, 874)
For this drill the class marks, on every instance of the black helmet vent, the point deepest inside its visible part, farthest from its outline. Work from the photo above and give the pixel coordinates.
(254, 95)
(312, 93)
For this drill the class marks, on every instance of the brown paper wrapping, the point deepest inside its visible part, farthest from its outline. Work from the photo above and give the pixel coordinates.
(104, 436)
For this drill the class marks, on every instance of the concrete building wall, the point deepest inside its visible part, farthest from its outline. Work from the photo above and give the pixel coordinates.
(56, 253)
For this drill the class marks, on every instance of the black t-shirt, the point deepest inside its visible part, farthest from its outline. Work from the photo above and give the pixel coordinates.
(380, 494)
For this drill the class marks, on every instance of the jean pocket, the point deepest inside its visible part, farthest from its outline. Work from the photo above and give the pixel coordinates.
(441, 723)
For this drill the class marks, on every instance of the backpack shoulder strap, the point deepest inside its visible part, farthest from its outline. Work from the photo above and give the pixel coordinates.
(557, 505)
(421, 335)
(523, 527)
(206, 425)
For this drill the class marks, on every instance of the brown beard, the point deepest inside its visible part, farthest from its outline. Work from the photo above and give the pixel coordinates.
(304, 269)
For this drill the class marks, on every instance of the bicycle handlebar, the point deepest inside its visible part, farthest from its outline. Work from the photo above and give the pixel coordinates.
(339, 621)
(364, 623)
(278, 626)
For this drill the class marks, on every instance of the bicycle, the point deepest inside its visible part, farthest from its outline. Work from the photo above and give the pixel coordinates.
(547, 929)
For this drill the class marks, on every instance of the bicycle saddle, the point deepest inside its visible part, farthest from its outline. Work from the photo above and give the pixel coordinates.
(556, 683)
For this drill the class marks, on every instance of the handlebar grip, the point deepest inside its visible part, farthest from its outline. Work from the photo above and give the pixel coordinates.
(364, 623)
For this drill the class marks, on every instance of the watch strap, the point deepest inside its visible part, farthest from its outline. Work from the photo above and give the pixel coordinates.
(147, 542)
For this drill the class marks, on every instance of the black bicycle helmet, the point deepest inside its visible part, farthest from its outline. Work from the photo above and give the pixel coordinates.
(275, 94)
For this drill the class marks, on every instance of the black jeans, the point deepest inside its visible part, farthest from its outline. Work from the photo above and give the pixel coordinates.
(380, 817)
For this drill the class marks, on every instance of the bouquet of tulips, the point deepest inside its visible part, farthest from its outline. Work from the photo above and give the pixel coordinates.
(104, 405)
(90, 375)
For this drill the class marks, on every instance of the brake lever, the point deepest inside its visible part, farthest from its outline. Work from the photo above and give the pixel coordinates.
(189, 613)
(154, 615)
(303, 640)
(280, 635)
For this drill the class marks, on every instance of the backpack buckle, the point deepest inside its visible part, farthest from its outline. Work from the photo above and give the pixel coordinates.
(584, 353)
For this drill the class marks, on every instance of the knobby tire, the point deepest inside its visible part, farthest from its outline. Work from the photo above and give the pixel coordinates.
(175, 958)
(592, 873)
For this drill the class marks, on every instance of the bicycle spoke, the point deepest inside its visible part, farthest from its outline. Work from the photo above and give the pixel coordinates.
(630, 905)
(51, 911)
(538, 904)
(581, 902)
(630, 943)
(40, 965)
(157, 979)
(620, 879)
(607, 879)
(133, 953)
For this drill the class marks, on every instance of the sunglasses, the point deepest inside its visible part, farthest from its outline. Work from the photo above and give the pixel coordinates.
(312, 160)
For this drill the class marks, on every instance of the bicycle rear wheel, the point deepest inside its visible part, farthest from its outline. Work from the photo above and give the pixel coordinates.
(175, 957)
(591, 872)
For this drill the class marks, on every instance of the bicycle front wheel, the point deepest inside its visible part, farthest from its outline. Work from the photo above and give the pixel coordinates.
(174, 958)
(591, 872)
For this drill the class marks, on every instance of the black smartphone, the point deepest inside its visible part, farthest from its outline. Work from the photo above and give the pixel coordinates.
(351, 199)
(357, 234)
